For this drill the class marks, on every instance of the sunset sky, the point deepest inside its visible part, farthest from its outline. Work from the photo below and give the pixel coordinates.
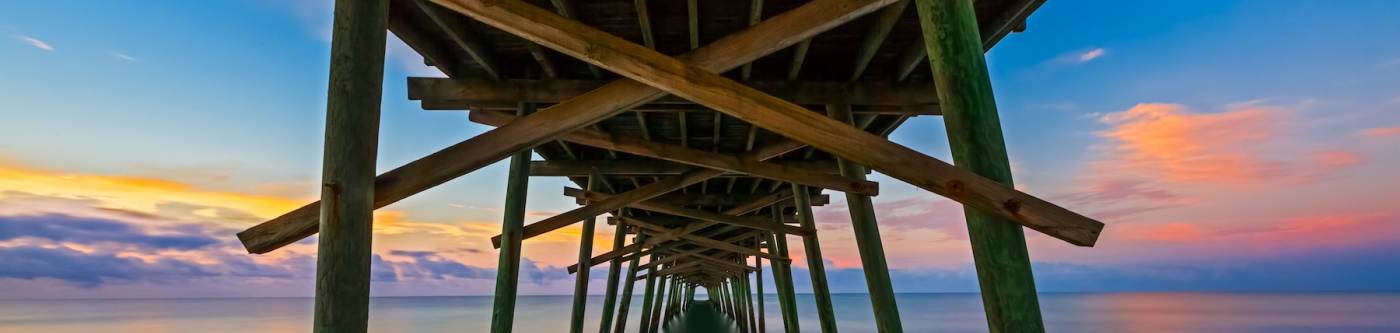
(1228, 146)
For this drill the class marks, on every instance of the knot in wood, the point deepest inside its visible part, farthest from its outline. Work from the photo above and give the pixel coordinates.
(1012, 205)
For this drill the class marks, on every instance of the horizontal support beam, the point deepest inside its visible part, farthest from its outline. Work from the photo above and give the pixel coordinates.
(742, 221)
(664, 233)
(652, 190)
(784, 118)
(480, 92)
(454, 161)
(698, 157)
(726, 199)
(640, 168)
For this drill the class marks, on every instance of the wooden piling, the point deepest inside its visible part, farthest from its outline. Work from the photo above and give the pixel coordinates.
(653, 325)
(647, 298)
(585, 256)
(508, 268)
(610, 293)
(974, 134)
(629, 283)
(782, 277)
(758, 289)
(347, 181)
(815, 266)
(868, 243)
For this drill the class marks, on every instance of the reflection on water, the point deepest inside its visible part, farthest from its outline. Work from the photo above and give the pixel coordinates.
(1112, 312)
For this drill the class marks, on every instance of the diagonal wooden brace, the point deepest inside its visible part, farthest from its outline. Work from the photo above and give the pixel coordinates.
(784, 118)
(745, 46)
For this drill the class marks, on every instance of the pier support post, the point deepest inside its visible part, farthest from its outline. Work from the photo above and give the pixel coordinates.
(758, 288)
(585, 257)
(614, 266)
(658, 302)
(508, 268)
(815, 266)
(868, 243)
(347, 174)
(647, 298)
(974, 134)
(629, 282)
(782, 277)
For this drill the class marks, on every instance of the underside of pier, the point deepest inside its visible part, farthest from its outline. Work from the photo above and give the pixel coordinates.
(704, 131)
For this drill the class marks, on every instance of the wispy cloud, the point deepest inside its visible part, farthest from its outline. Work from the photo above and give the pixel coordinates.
(35, 42)
(121, 56)
(1377, 132)
(1090, 55)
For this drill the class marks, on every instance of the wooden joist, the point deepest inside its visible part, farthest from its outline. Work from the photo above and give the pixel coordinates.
(690, 228)
(627, 168)
(652, 190)
(458, 34)
(782, 117)
(697, 157)
(489, 94)
(724, 54)
(884, 22)
(747, 222)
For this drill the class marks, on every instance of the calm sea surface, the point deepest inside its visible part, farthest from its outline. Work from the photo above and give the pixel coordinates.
(1108, 312)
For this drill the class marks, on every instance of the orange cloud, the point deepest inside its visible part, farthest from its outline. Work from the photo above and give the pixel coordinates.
(1168, 141)
(1247, 144)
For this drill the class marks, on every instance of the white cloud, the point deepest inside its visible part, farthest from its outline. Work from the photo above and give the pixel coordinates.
(35, 42)
(121, 56)
(1091, 55)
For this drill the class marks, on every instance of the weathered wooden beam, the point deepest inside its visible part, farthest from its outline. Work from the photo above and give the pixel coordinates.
(974, 136)
(457, 33)
(884, 23)
(782, 117)
(488, 94)
(724, 54)
(664, 234)
(742, 221)
(649, 191)
(343, 255)
(737, 210)
(696, 157)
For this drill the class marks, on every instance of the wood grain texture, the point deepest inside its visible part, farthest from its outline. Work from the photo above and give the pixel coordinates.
(974, 134)
(347, 175)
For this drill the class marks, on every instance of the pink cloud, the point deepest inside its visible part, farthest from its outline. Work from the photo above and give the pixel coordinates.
(1379, 132)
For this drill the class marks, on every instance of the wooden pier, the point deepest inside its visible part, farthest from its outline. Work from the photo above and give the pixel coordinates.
(703, 131)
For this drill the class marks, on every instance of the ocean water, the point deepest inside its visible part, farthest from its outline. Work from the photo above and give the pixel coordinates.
(1089, 312)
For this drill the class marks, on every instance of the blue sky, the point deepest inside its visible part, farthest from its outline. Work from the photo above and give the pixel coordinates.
(1211, 136)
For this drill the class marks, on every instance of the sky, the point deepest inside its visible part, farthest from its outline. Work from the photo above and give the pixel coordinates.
(1227, 146)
